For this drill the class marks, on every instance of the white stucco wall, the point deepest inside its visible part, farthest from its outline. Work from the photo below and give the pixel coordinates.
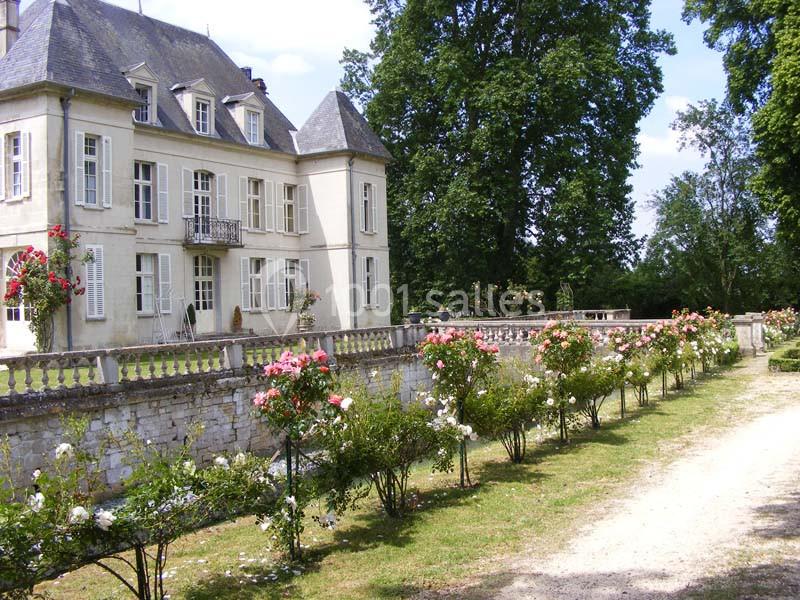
(326, 245)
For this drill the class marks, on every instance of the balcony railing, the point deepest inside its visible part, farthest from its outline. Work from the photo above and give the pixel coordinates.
(205, 231)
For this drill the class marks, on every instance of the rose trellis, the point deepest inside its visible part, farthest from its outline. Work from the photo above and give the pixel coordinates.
(459, 361)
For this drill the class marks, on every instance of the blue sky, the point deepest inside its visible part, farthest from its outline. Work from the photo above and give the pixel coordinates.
(296, 45)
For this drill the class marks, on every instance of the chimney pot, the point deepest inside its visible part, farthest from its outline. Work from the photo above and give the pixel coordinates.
(261, 84)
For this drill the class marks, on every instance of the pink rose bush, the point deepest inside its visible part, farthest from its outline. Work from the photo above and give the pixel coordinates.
(297, 402)
(459, 362)
(562, 349)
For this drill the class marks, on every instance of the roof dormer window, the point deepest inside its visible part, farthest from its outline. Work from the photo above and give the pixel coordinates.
(202, 110)
(145, 82)
(142, 114)
(197, 99)
(248, 112)
(253, 127)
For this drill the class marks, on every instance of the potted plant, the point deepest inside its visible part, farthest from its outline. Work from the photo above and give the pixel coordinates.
(190, 317)
(444, 313)
(236, 326)
(415, 315)
(301, 305)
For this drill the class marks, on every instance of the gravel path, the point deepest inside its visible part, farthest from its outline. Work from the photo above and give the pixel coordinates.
(686, 521)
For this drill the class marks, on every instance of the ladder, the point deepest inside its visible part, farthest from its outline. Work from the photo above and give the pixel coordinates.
(162, 332)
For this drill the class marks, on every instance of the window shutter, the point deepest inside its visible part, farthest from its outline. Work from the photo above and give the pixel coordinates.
(376, 282)
(364, 281)
(188, 189)
(302, 208)
(284, 291)
(107, 167)
(269, 206)
(375, 196)
(280, 219)
(163, 193)
(361, 210)
(25, 141)
(243, 211)
(245, 280)
(272, 284)
(2, 168)
(165, 283)
(305, 270)
(222, 196)
(80, 182)
(95, 292)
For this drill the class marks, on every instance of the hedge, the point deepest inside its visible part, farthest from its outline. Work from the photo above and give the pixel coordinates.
(786, 360)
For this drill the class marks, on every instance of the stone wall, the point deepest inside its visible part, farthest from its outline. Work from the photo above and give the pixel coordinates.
(164, 413)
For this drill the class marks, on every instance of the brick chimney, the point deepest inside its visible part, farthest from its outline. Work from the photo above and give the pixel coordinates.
(9, 25)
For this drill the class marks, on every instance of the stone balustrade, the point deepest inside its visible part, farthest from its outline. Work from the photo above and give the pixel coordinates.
(110, 369)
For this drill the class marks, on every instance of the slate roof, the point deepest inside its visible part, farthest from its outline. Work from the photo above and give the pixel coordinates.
(87, 44)
(336, 125)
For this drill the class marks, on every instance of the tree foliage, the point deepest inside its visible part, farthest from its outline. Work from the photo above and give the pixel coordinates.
(761, 42)
(513, 127)
(713, 244)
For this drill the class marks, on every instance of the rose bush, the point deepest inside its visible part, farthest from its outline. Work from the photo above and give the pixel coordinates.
(563, 348)
(375, 442)
(460, 362)
(297, 400)
(41, 283)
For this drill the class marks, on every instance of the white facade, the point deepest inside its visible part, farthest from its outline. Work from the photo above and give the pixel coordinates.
(175, 219)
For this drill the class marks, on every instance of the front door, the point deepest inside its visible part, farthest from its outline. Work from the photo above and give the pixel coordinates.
(19, 337)
(204, 296)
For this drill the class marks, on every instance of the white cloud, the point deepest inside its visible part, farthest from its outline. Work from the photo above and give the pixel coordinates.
(289, 64)
(676, 103)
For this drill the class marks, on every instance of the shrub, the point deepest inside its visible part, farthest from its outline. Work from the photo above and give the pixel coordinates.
(504, 411)
(375, 443)
(563, 348)
(236, 325)
(786, 360)
(460, 362)
(296, 400)
(591, 385)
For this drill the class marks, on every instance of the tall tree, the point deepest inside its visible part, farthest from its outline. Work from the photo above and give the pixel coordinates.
(513, 127)
(761, 42)
(710, 230)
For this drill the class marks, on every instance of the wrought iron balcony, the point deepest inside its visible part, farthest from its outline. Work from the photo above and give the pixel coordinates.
(205, 231)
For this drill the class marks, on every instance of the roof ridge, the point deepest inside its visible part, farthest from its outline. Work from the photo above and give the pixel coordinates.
(145, 16)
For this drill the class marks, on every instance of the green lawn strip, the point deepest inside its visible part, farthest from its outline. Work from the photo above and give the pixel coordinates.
(456, 535)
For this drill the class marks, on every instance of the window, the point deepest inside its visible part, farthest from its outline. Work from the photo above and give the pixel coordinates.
(290, 281)
(289, 208)
(256, 283)
(145, 283)
(254, 203)
(143, 191)
(16, 165)
(253, 122)
(202, 202)
(20, 313)
(368, 212)
(142, 114)
(370, 281)
(90, 170)
(203, 283)
(201, 111)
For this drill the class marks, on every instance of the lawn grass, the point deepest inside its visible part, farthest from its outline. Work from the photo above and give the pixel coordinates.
(455, 535)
